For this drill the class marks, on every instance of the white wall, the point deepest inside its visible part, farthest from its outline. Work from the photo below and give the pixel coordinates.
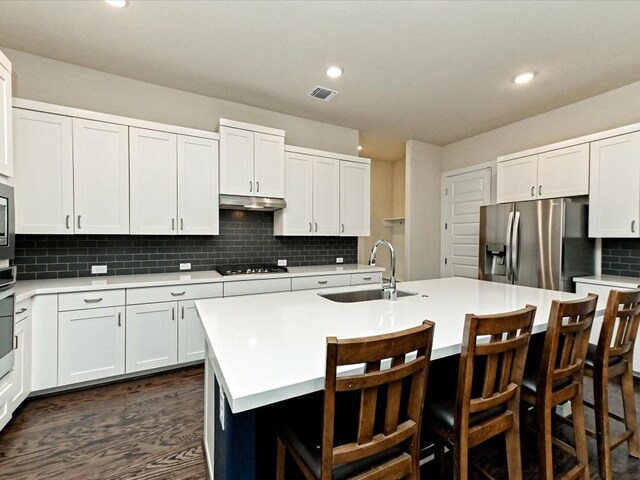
(46, 80)
(609, 110)
(422, 204)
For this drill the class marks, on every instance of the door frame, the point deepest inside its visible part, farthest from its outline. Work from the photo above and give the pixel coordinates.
(493, 165)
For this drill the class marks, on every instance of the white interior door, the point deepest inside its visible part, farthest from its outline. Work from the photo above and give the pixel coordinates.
(355, 185)
(463, 195)
(326, 196)
(191, 337)
(269, 165)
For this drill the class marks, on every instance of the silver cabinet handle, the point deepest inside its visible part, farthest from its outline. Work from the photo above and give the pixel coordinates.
(257, 186)
(343, 228)
(540, 190)
(16, 337)
(366, 278)
(316, 226)
(310, 228)
(322, 282)
(67, 221)
(182, 313)
(177, 294)
(119, 319)
(633, 226)
(79, 217)
(92, 300)
(182, 224)
(173, 313)
(250, 186)
(173, 224)
(533, 191)
(22, 310)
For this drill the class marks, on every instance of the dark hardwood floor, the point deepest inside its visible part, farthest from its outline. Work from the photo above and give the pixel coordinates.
(151, 429)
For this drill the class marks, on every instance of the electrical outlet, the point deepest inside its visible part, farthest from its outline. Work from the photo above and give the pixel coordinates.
(339, 260)
(282, 263)
(221, 401)
(185, 266)
(98, 269)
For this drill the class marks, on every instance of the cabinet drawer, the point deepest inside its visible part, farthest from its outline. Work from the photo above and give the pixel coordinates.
(325, 281)
(173, 292)
(90, 299)
(252, 287)
(364, 278)
(23, 310)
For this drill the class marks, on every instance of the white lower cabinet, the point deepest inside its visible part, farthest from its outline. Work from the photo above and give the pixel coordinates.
(152, 336)
(22, 368)
(91, 344)
(190, 333)
(6, 389)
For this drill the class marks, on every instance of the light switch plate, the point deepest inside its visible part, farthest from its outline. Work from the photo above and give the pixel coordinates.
(98, 269)
(185, 266)
(339, 260)
(282, 263)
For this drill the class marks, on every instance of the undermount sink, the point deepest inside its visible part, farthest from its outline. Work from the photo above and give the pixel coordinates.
(362, 295)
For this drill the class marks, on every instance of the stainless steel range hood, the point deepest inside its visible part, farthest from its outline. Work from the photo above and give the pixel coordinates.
(239, 202)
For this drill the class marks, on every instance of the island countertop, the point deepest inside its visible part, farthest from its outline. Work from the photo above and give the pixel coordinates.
(272, 347)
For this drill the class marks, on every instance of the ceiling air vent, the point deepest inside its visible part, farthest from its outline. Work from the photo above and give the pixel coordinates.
(323, 93)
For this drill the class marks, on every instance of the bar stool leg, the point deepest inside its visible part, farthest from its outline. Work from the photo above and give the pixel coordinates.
(629, 403)
(514, 461)
(439, 457)
(460, 460)
(579, 432)
(280, 458)
(603, 436)
(545, 454)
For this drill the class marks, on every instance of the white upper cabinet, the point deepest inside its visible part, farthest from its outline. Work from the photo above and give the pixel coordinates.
(101, 177)
(251, 160)
(614, 197)
(43, 154)
(197, 186)
(153, 168)
(6, 157)
(557, 173)
(326, 196)
(355, 185)
(297, 217)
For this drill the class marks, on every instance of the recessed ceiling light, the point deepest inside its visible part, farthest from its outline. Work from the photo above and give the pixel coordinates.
(117, 3)
(334, 71)
(524, 77)
(359, 147)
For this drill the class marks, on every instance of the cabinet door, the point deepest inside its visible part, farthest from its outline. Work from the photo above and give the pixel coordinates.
(614, 194)
(517, 179)
(154, 197)
(297, 217)
(22, 368)
(564, 172)
(197, 186)
(326, 196)
(152, 336)
(91, 344)
(269, 165)
(6, 157)
(236, 161)
(355, 184)
(101, 177)
(43, 156)
(191, 337)
(6, 391)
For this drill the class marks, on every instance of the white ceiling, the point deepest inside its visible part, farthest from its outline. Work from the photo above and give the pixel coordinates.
(431, 71)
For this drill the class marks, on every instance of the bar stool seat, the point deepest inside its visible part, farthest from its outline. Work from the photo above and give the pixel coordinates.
(590, 361)
(530, 382)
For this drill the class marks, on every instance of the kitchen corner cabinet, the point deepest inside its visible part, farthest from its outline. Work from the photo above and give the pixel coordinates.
(173, 183)
(557, 173)
(251, 162)
(152, 336)
(355, 185)
(614, 196)
(43, 153)
(6, 156)
(101, 177)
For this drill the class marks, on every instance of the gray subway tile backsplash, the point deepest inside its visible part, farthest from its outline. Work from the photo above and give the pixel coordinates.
(245, 237)
(621, 256)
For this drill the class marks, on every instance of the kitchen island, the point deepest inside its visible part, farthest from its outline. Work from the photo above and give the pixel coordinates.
(271, 348)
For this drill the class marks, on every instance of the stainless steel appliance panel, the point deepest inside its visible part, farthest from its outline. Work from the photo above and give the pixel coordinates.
(6, 330)
(494, 258)
(7, 223)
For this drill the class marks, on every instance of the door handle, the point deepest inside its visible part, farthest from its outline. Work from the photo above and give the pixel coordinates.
(79, 217)
(540, 190)
(515, 253)
(67, 221)
(250, 186)
(533, 191)
(119, 319)
(257, 186)
(177, 294)
(633, 226)
(509, 244)
(92, 300)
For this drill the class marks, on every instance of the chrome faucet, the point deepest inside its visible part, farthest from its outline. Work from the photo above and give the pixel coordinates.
(389, 290)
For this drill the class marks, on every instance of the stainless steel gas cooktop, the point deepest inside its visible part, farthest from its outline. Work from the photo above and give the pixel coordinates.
(250, 269)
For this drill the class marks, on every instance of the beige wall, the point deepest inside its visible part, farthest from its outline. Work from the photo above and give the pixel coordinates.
(610, 110)
(422, 242)
(398, 233)
(51, 81)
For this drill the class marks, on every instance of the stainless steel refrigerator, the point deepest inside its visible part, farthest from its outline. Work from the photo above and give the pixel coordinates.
(540, 243)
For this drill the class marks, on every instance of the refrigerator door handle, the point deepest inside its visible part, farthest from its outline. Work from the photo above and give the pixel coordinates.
(509, 246)
(515, 249)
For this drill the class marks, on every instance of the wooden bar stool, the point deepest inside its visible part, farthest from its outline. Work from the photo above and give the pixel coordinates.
(486, 402)
(612, 357)
(555, 377)
(384, 446)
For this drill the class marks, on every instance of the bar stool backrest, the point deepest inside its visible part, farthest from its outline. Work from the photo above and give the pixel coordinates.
(620, 325)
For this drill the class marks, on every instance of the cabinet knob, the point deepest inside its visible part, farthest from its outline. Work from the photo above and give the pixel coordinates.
(540, 190)
(119, 319)
(322, 282)
(79, 225)
(67, 221)
(177, 294)
(257, 186)
(173, 313)
(533, 191)
(316, 226)
(92, 300)
(173, 224)
(22, 310)
(310, 227)
(250, 186)
(343, 228)
(633, 226)
(182, 224)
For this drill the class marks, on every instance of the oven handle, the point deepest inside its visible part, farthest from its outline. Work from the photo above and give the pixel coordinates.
(6, 292)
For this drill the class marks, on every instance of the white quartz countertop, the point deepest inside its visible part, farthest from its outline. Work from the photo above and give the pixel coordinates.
(609, 281)
(273, 347)
(29, 288)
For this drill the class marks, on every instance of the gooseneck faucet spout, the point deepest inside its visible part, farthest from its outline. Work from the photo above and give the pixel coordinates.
(389, 290)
